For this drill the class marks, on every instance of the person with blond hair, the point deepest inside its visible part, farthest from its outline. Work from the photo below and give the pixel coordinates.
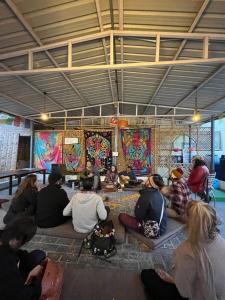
(198, 263)
(24, 201)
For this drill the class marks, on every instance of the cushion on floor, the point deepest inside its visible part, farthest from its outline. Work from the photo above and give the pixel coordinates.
(173, 228)
(101, 284)
(66, 230)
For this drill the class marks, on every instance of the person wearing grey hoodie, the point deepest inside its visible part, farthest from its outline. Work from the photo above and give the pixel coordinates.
(87, 208)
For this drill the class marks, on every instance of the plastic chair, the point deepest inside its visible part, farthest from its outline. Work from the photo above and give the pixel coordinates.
(210, 191)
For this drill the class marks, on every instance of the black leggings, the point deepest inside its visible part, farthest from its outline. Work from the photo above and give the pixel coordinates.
(157, 288)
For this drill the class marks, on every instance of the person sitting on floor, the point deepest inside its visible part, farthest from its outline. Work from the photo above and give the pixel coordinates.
(92, 173)
(198, 262)
(111, 176)
(149, 207)
(20, 271)
(24, 201)
(178, 194)
(51, 202)
(197, 178)
(86, 208)
(128, 177)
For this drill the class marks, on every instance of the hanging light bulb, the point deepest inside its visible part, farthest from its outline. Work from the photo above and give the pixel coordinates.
(196, 116)
(44, 116)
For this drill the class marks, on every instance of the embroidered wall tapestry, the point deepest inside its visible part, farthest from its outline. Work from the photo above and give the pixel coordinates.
(47, 149)
(98, 148)
(72, 157)
(136, 144)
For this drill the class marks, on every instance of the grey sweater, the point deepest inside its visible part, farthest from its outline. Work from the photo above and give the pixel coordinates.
(187, 277)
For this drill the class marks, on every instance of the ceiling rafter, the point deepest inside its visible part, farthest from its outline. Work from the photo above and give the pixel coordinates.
(21, 18)
(121, 21)
(98, 9)
(12, 99)
(34, 88)
(182, 45)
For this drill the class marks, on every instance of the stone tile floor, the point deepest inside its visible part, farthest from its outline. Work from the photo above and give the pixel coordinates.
(132, 255)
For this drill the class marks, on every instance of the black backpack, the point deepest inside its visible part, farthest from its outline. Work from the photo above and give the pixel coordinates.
(101, 241)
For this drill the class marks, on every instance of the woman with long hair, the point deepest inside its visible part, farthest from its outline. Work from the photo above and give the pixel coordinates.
(198, 263)
(112, 176)
(24, 201)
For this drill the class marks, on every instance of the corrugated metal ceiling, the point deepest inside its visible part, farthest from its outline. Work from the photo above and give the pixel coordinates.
(51, 21)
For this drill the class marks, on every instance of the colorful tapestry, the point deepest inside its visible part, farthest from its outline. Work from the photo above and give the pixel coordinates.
(72, 156)
(47, 149)
(136, 144)
(14, 121)
(98, 148)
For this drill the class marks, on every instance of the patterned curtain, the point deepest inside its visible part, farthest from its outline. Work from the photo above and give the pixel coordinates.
(47, 149)
(136, 144)
(99, 148)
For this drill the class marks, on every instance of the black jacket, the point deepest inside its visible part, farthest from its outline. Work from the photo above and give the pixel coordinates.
(12, 280)
(51, 202)
(149, 207)
(24, 205)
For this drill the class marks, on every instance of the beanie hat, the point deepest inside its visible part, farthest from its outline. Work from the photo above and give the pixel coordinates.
(177, 173)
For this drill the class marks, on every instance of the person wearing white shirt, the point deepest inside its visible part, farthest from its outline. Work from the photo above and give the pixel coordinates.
(87, 208)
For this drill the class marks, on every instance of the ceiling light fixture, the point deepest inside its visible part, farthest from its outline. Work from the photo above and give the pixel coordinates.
(44, 116)
(196, 116)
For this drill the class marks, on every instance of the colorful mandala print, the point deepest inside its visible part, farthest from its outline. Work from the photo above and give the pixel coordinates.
(136, 144)
(47, 149)
(71, 156)
(98, 148)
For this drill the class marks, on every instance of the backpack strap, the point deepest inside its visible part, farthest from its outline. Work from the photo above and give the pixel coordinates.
(162, 210)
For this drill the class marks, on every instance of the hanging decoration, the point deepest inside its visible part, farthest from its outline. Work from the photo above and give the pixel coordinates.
(47, 149)
(98, 148)
(136, 144)
(72, 157)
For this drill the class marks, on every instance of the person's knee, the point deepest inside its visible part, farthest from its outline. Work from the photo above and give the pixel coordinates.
(122, 217)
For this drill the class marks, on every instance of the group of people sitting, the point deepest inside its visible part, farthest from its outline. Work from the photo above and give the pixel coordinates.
(198, 271)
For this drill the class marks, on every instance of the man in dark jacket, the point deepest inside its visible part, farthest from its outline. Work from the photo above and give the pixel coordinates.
(51, 202)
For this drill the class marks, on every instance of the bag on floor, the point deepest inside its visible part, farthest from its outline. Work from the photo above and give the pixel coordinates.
(101, 241)
(151, 229)
(52, 281)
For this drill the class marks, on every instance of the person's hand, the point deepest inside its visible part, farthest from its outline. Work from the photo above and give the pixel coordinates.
(90, 175)
(164, 276)
(35, 272)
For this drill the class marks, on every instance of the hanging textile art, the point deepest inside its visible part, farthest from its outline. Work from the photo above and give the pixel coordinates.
(47, 149)
(136, 144)
(98, 148)
(72, 157)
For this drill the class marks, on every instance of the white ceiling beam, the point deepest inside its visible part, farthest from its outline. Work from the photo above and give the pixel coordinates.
(121, 22)
(21, 18)
(135, 65)
(117, 33)
(98, 9)
(182, 45)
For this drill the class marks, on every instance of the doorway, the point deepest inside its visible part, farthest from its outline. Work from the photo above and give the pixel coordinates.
(23, 154)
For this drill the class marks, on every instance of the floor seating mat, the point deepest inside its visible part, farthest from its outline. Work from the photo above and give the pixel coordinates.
(102, 284)
(173, 228)
(66, 230)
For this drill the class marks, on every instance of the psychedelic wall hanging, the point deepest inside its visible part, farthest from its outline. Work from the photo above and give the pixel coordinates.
(47, 149)
(98, 148)
(72, 156)
(136, 144)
